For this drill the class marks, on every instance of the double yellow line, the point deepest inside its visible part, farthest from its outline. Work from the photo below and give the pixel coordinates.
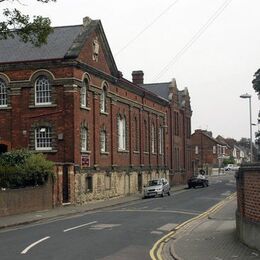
(156, 251)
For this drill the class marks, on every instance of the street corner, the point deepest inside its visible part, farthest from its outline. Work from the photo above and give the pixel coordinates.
(164, 248)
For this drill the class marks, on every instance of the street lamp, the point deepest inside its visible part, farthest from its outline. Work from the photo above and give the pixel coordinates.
(250, 118)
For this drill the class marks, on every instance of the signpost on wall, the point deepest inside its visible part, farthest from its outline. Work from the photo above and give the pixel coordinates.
(85, 160)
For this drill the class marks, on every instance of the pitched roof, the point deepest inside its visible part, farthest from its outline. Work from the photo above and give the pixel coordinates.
(160, 89)
(58, 44)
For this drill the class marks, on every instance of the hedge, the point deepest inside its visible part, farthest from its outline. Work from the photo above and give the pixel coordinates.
(22, 168)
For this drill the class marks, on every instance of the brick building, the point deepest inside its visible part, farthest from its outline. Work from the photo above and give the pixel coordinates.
(107, 135)
(207, 152)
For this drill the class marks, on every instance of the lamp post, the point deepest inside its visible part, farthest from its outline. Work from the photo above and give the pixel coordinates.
(250, 118)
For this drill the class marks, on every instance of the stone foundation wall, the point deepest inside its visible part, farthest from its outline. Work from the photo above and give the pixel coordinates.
(103, 185)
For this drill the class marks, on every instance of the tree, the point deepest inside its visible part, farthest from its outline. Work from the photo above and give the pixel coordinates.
(256, 82)
(17, 24)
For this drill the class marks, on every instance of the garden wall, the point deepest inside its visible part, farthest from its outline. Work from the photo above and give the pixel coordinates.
(17, 201)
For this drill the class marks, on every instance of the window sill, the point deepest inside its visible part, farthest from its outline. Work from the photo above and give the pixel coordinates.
(154, 153)
(146, 152)
(122, 151)
(137, 152)
(104, 153)
(83, 151)
(43, 106)
(5, 108)
(104, 113)
(85, 108)
(46, 151)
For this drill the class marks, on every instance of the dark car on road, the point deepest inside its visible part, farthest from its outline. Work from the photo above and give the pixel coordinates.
(195, 181)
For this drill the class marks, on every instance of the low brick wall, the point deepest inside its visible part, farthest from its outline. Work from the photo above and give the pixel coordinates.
(17, 201)
(248, 201)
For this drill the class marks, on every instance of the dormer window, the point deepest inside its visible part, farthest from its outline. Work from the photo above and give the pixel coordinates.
(42, 91)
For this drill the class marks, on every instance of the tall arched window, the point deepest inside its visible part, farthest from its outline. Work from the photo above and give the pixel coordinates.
(84, 94)
(121, 133)
(161, 139)
(153, 137)
(103, 141)
(42, 91)
(136, 134)
(146, 139)
(84, 139)
(103, 99)
(3, 93)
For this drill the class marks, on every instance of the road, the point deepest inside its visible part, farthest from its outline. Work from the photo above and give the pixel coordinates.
(119, 232)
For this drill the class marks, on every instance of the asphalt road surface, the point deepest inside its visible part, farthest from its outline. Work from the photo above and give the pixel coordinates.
(119, 232)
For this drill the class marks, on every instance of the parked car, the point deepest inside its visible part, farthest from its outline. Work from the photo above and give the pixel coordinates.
(195, 181)
(157, 187)
(231, 167)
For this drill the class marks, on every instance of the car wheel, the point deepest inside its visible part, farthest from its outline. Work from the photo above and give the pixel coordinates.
(162, 195)
(169, 194)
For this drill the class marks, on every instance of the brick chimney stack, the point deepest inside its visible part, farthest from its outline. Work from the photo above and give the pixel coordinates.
(138, 77)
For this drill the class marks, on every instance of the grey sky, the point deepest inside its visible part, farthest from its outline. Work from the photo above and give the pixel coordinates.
(217, 68)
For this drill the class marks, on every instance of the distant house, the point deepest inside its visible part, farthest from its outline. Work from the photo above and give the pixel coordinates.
(207, 152)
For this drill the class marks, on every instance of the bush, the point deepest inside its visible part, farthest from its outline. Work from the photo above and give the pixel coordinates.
(23, 168)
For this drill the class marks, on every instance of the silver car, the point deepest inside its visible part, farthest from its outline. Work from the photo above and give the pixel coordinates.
(158, 187)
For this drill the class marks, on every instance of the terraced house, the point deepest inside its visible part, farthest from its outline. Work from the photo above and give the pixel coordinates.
(107, 135)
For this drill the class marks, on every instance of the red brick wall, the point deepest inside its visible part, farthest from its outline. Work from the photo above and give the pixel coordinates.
(248, 192)
(24, 200)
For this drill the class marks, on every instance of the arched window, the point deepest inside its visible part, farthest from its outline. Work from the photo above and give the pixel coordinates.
(103, 140)
(161, 139)
(42, 91)
(146, 139)
(136, 135)
(84, 94)
(121, 133)
(43, 139)
(103, 99)
(153, 137)
(3, 93)
(84, 139)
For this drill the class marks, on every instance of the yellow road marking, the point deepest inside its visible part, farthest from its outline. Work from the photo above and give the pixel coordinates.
(158, 246)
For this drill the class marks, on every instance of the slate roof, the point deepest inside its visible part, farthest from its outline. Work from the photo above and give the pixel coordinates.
(59, 42)
(160, 89)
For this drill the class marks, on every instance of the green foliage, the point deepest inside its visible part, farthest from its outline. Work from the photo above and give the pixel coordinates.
(229, 160)
(17, 24)
(256, 82)
(23, 168)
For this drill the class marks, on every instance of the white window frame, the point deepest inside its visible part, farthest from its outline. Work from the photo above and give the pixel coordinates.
(43, 141)
(196, 149)
(84, 139)
(83, 96)
(103, 139)
(42, 91)
(103, 101)
(160, 140)
(214, 149)
(3, 94)
(153, 138)
(121, 133)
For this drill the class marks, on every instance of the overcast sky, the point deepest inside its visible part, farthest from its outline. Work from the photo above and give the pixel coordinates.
(217, 65)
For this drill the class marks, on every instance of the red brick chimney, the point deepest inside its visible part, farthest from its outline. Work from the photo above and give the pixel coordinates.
(138, 77)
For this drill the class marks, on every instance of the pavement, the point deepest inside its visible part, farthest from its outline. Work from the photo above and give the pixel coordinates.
(212, 236)
(69, 210)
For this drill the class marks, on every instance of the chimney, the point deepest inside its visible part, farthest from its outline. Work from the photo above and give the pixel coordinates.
(86, 21)
(138, 77)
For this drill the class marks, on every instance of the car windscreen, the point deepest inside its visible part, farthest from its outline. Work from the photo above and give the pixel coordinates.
(154, 183)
